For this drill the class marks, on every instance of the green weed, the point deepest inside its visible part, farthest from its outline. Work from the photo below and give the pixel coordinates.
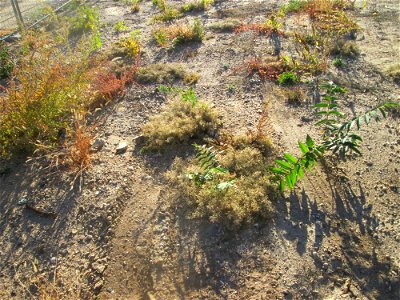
(338, 138)
(6, 62)
(294, 6)
(86, 18)
(287, 78)
(120, 26)
(168, 14)
(198, 5)
(131, 44)
(338, 62)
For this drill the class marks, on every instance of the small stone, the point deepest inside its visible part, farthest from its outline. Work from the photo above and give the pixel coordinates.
(98, 285)
(23, 201)
(139, 139)
(53, 260)
(122, 147)
(97, 145)
(98, 267)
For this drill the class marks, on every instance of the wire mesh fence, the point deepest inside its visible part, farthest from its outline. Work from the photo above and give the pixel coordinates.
(31, 11)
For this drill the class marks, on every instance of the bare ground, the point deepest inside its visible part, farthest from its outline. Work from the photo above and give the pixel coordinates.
(336, 236)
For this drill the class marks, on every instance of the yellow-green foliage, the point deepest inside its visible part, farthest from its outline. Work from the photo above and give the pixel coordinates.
(86, 18)
(131, 44)
(180, 121)
(165, 73)
(179, 34)
(160, 4)
(120, 26)
(247, 200)
(47, 87)
(134, 4)
(198, 5)
(168, 14)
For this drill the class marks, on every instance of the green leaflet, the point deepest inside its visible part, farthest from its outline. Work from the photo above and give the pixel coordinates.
(208, 162)
(338, 138)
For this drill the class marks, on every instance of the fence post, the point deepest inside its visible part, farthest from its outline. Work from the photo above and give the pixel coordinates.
(18, 15)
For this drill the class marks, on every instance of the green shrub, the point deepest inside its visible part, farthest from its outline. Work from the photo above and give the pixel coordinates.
(120, 26)
(6, 63)
(168, 14)
(85, 19)
(338, 62)
(181, 120)
(48, 87)
(287, 78)
(131, 44)
(198, 5)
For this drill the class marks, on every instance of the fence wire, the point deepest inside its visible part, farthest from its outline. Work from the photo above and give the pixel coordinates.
(31, 10)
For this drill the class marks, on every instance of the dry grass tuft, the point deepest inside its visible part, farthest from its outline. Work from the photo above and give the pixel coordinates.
(246, 201)
(267, 68)
(80, 143)
(394, 72)
(228, 184)
(227, 25)
(178, 34)
(180, 121)
(165, 73)
(295, 95)
(344, 48)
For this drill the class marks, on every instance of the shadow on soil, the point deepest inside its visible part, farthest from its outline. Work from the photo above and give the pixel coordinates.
(350, 220)
(32, 229)
(211, 257)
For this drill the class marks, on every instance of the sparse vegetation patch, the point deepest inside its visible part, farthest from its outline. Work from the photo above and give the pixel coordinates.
(227, 25)
(179, 34)
(183, 119)
(165, 73)
(226, 185)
